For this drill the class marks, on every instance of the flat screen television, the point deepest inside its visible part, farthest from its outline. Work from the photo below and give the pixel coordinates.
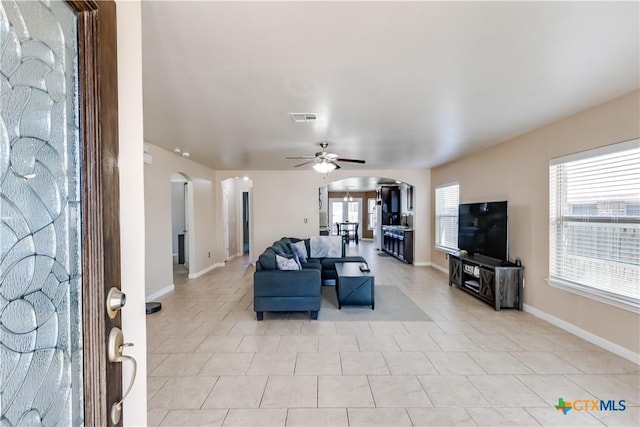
(482, 229)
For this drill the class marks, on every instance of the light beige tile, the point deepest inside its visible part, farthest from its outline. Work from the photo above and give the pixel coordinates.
(374, 417)
(414, 342)
(183, 393)
(387, 328)
(494, 343)
(531, 342)
(155, 416)
(255, 418)
(455, 343)
(452, 363)
(353, 328)
(609, 387)
(272, 364)
(440, 417)
(422, 328)
(408, 363)
(317, 417)
(298, 343)
(219, 344)
(363, 363)
(599, 362)
(227, 364)
(542, 362)
(401, 391)
(214, 328)
(629, 417)
(252, 327)
(499, 362)
(344, 391)
(502, 417)
(236, 392)
(377, 343)
(183, 344)
(550, 387)
(291, 392)
(154, 384)
(338, 343)
(546, 417)
(283, 327)
(505, 391)
(451, 390)
(318, 364)
(194, 418)
(240, 314)
(181, 365)
(318, 328)
(256, 343)
(451, 327)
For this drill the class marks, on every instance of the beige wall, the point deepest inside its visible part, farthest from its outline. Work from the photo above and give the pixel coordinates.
(132, 204)
(281, 200)
(517, 171)
(202, 218)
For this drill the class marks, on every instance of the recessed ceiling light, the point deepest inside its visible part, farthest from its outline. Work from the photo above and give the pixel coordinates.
(176, 150)
(303, 117)
(186, 154)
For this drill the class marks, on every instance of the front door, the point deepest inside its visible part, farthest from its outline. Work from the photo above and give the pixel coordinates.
(59, 208)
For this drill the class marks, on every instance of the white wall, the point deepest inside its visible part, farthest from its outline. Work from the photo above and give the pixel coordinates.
(132, 227)
(203, 221)
(518, 171)
(281, 200)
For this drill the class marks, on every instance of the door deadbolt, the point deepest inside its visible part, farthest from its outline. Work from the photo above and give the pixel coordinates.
(116, 299)
(115, 347)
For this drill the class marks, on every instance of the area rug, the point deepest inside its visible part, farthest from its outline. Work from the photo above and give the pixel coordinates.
(383, 254)
(391, 305)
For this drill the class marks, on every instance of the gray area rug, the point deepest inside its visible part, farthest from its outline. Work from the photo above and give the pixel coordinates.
(391, 305)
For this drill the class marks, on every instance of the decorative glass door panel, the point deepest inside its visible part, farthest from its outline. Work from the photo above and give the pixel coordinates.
(41, 365)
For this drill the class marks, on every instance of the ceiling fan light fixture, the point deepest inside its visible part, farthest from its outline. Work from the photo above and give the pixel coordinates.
(324, 167)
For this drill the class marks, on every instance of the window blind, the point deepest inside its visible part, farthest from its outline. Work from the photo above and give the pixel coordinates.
(595, 222)
(447, 198)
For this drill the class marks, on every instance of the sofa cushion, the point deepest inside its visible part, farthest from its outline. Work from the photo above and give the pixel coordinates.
(267, 259)
(282, 246)
(326, 246)
(300, 249)
(287, 262)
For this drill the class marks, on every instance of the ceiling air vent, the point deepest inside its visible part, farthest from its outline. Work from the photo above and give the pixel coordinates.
(304, 117)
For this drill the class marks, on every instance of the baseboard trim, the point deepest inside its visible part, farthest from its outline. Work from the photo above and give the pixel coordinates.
(421, 263)
(205, 271)
(162, 292)
(586, 335)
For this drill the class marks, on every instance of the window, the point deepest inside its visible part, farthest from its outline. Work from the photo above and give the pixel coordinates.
(447, 197)
(594, 224)
(371, 211)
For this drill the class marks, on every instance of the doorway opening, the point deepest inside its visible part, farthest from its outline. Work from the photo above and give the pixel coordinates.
(237, 233)
(181, 229)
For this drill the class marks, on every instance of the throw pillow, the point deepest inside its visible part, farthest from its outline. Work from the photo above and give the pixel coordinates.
(300, 249)
(285, 263)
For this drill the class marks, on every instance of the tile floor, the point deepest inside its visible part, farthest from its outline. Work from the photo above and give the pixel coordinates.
(210, 363)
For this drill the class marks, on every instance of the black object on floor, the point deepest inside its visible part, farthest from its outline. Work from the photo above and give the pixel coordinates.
(383, 254)
(152, 307)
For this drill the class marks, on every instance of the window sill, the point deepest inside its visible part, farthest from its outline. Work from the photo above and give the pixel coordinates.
(446, 250)
(594, 294)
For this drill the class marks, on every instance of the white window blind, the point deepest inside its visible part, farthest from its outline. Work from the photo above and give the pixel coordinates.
(594, 240)
(447, 197)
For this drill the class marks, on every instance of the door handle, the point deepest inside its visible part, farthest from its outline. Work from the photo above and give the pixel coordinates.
(115, 347)
(116, 299)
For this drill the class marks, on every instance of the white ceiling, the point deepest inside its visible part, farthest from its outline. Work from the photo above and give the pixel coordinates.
(401, 85)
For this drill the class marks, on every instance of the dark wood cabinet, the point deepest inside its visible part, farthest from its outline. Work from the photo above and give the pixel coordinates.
(398, 242)
(389, 197)
(494, 283)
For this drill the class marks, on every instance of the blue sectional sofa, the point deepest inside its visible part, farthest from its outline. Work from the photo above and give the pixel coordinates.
(292, 290)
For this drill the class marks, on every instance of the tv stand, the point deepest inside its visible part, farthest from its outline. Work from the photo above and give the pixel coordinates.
(496, 283)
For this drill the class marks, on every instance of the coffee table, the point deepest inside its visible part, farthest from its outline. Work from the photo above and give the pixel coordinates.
(354, 287)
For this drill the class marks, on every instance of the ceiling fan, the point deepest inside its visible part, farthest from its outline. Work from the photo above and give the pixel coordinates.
(323, 161)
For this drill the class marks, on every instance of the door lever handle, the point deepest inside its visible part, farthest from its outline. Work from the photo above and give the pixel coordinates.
(115, 348)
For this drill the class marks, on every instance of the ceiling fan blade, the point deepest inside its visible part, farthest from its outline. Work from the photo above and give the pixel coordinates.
(341, 159)
(337, 165)
(305, 163)
(302, 157)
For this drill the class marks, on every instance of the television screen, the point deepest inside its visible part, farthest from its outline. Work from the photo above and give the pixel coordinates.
(482, 229)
